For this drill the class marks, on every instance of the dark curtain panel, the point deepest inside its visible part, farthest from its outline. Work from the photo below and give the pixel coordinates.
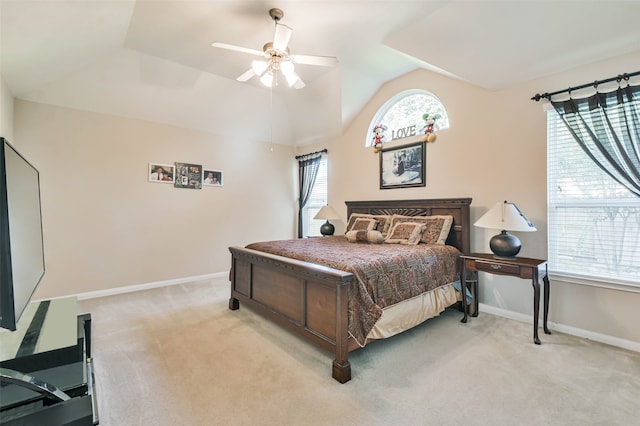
(607, 128)
(307, 173)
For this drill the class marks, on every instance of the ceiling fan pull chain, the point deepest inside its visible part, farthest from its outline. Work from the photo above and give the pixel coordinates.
(271, 119)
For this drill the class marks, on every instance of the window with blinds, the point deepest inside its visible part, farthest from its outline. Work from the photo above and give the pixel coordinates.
(593, 222)
(317, 200)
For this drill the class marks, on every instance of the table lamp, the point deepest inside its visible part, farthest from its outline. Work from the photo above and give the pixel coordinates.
(327, 213)
(506, 217)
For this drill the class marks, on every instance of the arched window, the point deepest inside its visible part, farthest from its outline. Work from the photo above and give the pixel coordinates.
(406, 116)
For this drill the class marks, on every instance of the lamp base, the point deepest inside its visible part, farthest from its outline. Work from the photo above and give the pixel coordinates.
(505, 245)
(327, 229)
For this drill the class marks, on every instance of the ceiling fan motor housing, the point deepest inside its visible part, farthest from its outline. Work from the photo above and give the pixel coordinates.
(269, 50)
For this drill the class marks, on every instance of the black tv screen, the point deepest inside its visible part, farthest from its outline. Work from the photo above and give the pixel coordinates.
(21, 243)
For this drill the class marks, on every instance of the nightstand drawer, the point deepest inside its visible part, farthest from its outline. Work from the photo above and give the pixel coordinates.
(497, 268)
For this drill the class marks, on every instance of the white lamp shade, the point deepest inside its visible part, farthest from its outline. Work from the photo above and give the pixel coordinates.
(287, 68)
(292, 78)
(507, 217)
(327, 213)
(259, 67)
(267, 79)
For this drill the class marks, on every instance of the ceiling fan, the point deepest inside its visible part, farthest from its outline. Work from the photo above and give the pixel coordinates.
(277, 57)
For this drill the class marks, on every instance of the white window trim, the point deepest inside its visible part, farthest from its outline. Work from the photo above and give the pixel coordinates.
(621, 285)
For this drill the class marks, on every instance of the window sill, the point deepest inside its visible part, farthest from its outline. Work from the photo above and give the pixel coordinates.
(612, 284)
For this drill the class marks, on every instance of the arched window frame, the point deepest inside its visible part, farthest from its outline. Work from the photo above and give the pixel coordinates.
(413, 129)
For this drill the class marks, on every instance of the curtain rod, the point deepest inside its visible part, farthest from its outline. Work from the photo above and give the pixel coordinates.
(617, 78)
(311, 153)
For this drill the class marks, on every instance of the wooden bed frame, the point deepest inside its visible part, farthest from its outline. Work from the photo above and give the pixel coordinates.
(311, 299)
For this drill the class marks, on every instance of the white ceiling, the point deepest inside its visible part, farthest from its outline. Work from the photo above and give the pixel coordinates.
(153, 59)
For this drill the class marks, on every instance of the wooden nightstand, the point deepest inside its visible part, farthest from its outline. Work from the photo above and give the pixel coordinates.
(521, 267)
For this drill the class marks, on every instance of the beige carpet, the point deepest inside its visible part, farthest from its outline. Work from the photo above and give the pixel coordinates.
(178, 356)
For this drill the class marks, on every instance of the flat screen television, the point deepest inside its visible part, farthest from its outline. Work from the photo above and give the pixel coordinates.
(21, 242)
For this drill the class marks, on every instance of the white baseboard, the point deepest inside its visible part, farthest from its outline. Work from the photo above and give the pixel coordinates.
(148, 286)
(586, 334)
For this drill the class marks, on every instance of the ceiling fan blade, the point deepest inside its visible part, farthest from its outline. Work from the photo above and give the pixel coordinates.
(237, 48)
(324, 61)
(246, 76)
(281, 37)
(298, 84)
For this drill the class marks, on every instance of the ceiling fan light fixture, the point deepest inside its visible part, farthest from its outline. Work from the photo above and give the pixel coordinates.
(259, 67)
(287, 68)
(292, 78)
(267, 79)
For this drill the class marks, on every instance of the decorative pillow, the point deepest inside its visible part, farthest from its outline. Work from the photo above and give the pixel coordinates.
(436, 230)
(364, 224)
(363, 236)
(405, 233)
(383, 224)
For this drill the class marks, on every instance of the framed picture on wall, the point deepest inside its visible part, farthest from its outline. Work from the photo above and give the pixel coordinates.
(162, 173)
(402, 166)
(212, 177)
(188, 176)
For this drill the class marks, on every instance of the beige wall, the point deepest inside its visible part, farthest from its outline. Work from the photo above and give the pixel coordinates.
(494, 150)
(106, 226)
(6, 111)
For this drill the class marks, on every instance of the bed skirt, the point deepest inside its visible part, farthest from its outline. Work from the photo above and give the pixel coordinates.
(409, 313)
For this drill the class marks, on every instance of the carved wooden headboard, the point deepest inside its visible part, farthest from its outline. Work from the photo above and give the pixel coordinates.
(460, 234)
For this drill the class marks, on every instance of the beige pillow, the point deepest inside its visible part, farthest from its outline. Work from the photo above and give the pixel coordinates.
(361, 224)
(405, 233)
(383, 221)
(436, 230)
(363, 236)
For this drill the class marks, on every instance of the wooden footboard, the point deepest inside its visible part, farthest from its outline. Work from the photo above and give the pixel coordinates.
(304, 297)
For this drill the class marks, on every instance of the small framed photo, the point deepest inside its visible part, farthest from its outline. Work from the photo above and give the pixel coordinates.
(188, 176)
(162, 173)
(402, 166)
(212, 177)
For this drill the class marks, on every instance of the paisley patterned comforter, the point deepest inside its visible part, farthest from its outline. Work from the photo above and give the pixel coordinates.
(386, 273)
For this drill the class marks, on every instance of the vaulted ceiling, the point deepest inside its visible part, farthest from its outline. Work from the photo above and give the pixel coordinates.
(153, 60)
